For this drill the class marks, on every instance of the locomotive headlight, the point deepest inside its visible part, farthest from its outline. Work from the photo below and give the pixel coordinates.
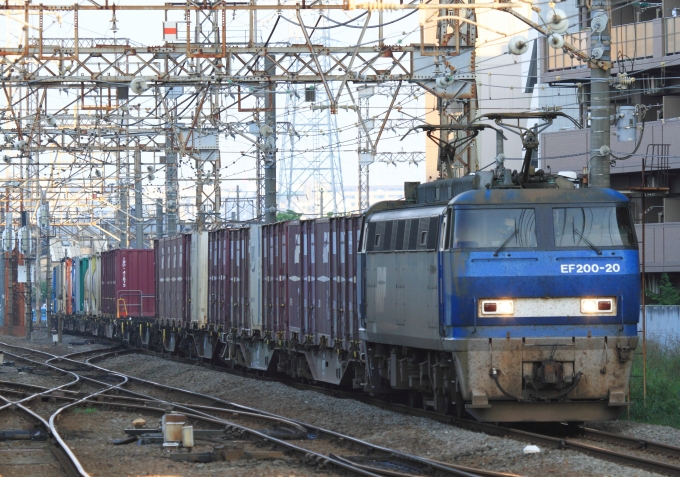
(497, 307)
(597, 305)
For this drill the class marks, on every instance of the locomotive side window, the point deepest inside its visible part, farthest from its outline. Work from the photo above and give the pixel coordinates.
(585, 227)
(388, 236)
(493, 228)
(413, 235)
(401, 227)
(370, 239)
(403, 235)
(432, 233)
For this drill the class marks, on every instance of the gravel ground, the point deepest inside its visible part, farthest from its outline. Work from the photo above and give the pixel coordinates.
(89, 433)
(42, 341)
(25, 458)
(51, 380)
(650, 432)
(410, 434)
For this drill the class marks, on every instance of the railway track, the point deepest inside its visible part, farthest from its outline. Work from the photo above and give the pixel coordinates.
(23, 395)
(326, 450)
(565, 437)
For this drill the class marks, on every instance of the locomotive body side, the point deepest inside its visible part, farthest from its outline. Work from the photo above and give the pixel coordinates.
(555, 345)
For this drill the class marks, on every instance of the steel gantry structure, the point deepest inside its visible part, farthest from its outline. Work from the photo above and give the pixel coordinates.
(133, 111)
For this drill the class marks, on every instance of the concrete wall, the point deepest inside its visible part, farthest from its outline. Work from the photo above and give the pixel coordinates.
(562, 143)
(663, 324)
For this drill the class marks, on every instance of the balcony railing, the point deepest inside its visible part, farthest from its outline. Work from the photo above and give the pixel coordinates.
(632, 41)
(672, 35)
(558, 60)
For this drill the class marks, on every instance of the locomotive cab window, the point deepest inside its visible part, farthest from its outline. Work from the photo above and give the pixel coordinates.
(587, 227)
(493, 228)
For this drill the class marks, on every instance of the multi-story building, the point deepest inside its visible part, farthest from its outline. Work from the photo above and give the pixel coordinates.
(645, 45)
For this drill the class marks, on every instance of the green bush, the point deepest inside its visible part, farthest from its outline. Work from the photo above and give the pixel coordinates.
(663, 385)
(668, 294)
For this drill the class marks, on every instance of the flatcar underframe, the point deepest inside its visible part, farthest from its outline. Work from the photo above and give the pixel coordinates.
(418, 377)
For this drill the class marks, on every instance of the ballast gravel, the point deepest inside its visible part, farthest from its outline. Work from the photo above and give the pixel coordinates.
(415, 435)
(42, 341)
(663, 434)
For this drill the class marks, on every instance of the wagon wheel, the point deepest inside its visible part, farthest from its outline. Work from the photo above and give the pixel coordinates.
(414, 399)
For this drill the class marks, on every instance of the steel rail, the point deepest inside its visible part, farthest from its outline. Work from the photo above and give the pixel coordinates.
(70, 457)
(634, 442)
(70, 466)
(550, 441)
(442, 467)
(300, 451)
(251, 412)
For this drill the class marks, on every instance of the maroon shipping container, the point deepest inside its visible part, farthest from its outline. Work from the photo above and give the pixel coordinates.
(345, 234)
(217, 275)
(128, 284)
(238, 265)
(295, 280)
(321, 286)
(274, 278)
(173, 277)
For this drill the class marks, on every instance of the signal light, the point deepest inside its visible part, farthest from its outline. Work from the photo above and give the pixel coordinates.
(597, 305)
(498, 307)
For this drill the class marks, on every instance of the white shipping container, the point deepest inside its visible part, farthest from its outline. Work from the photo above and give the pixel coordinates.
(255, 277)
(199, 277)
(95, 292)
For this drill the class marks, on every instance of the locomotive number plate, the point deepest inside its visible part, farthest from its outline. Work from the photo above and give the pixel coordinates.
(590, 268)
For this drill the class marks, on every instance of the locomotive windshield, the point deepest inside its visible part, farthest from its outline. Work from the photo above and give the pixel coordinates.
(494, 228)
(593, 227)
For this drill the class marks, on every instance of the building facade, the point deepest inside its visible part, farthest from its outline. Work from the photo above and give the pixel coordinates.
(645, 46)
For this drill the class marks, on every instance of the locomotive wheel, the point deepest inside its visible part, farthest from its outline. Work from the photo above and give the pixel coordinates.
(444, 405)
(414, 399)
(459, 404)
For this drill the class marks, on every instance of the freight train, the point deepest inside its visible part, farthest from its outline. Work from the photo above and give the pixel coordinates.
(506, 303)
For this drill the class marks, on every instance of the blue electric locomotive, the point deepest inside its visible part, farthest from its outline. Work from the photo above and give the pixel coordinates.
(514, 304)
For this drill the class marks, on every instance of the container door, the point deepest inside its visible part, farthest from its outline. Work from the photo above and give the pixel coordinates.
(294, 297)
(281, 324)
(322, 303)
(255, 277)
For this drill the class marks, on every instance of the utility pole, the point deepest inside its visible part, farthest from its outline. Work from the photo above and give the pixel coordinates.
(121, 213)
(139, 223)
(48, 276)
(270, 155)
(321, 204)
(25, 249)
(159, 218)
(3, 270)
(366, 151)
(238, 204)
(170, 184)
(599, 167)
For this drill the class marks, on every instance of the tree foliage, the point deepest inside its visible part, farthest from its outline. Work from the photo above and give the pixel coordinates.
(668, 294)
(287, 215)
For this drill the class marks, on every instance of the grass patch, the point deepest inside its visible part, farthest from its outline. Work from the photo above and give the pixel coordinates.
(85, 410)
(663, 385)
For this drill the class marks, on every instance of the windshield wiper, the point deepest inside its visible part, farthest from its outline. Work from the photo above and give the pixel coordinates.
(580, 234)
(507, 240)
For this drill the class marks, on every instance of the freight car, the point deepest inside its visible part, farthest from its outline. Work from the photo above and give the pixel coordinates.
(416, 299)
(511, 297)
(95, 293)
